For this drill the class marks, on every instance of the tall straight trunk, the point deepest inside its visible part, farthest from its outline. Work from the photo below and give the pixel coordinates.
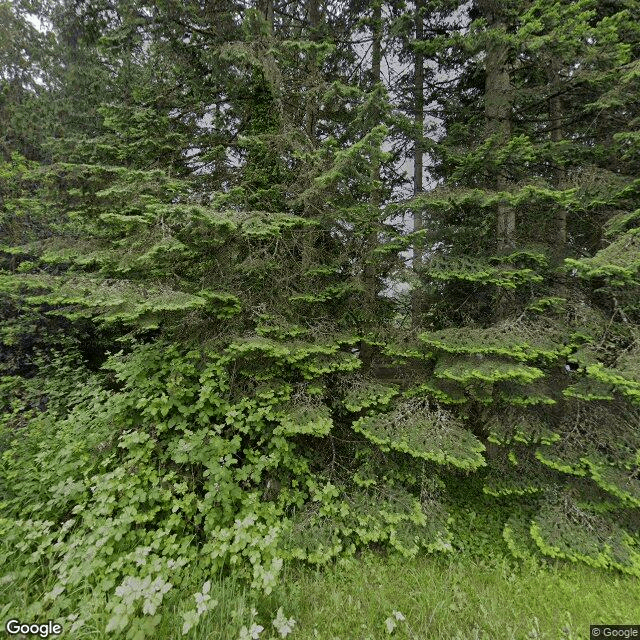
(311, 111)
(311, 115)
(418, 151)
(269, 15)
(266, 8)
(498, 102)
(498, 99)
(559, 240)
(376, 59)
(313, 15)
(369, 274)
(376, 46)
(418, 109)
(555, 121)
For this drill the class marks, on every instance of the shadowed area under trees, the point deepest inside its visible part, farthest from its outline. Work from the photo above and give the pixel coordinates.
(288, 281)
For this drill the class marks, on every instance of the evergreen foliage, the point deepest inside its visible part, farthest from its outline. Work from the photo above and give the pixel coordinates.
(205, 355)
(545, 349)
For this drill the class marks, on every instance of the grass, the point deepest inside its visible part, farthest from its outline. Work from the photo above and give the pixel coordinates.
(457, 596)
(454, 598)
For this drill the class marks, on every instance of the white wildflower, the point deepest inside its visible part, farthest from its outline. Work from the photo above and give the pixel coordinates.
(390, 624)
(252, 633)
(283, 625)
(392, 621)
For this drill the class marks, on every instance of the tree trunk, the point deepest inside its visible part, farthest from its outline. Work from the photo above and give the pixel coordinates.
(313, 16)
(559, 239)
(498, 98)
(376, 47)
(266, 9)
(309, 237)
(418, 150)
(555, 121)
(498, 102)
(369, 274)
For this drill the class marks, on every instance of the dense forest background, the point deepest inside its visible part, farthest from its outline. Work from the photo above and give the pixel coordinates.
(289, 280)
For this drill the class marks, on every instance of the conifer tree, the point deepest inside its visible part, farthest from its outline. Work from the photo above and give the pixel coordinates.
(202, 368)
(523, 373)
(228, 290)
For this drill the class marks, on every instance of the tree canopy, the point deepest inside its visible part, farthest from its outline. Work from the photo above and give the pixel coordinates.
(289, 280)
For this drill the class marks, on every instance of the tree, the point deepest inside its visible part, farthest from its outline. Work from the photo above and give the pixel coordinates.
(523, 377)
(226, 307)
(203, 369)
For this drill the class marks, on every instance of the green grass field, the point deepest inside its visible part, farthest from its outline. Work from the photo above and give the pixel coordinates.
(451, 597)
(439, 598)
(475, 592)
